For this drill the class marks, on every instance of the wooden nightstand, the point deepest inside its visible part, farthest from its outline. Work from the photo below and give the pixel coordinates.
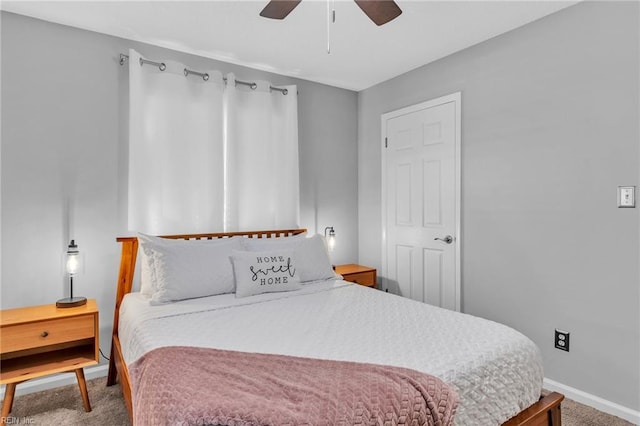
(358, 274)
(42, 340)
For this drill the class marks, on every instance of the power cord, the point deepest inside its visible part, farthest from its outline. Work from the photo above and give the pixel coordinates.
(103, 355)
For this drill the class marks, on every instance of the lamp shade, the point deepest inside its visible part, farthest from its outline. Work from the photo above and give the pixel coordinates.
(73, 259)
(72, 267)
(331, 237)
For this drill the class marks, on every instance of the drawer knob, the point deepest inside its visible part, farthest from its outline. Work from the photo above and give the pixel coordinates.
(44, 334)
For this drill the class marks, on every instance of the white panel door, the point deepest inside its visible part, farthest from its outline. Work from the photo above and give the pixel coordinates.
(421, 201)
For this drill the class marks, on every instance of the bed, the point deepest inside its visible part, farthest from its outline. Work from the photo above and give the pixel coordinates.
(494, 372)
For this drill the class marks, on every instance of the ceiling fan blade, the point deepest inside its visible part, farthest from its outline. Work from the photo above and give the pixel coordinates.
(279, 9)
(380, 11)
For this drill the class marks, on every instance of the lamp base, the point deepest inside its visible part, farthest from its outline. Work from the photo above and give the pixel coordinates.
(70, 302)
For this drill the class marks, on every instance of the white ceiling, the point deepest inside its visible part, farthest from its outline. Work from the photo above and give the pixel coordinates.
(362, 54)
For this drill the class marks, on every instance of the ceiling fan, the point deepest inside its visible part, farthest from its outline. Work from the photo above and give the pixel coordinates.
(379, 11)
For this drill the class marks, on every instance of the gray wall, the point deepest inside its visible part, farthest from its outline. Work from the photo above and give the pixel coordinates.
(64, 123)
(550, 117)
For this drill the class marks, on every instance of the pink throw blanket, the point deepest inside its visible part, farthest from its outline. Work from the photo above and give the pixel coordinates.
(198, 386)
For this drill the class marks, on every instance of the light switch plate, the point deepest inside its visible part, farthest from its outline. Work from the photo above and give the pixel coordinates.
(626, 196)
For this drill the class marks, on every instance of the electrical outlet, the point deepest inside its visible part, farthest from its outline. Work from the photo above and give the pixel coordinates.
(562, 340)
(626, 196)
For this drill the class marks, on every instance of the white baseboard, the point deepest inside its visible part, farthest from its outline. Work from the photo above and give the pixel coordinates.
(57, 380)
(596, 402)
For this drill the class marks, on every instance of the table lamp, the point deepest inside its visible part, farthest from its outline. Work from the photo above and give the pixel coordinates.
(72, 266)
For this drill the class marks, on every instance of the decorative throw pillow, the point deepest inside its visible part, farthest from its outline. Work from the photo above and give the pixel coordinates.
(183, 269)
(259, 272)
(312, 257)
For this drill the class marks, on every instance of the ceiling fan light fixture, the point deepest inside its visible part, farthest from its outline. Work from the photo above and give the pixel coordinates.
(379, 11)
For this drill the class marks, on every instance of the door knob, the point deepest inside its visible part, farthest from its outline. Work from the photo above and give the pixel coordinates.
(448, 239)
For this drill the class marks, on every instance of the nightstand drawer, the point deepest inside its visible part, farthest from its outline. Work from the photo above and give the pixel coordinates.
(44, 333)
(362, 278)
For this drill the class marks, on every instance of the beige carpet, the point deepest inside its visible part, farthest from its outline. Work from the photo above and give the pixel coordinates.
(63, 406)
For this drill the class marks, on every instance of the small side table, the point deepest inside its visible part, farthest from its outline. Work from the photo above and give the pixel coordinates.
(41, 340)
(359, 274)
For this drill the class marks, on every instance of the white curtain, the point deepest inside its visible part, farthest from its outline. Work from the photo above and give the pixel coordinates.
(262, 157)
(198, 152)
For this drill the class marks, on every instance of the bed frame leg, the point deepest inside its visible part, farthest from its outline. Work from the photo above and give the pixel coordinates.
(545, 412)
(113, 371)
(555, 415)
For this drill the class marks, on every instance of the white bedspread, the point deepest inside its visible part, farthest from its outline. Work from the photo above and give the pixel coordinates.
(496, 371)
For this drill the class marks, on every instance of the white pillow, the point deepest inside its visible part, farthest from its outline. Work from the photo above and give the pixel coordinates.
(311, 254)
(259, 272)
(313, 259)
(145, 252)
(182, 269)
(146, 282)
